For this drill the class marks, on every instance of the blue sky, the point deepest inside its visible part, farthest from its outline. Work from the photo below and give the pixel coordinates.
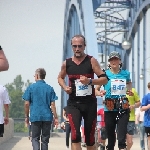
(31, 35)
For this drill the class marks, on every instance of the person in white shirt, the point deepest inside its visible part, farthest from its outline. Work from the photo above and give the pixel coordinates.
(139, 120)
(4, 102)
(4, 65)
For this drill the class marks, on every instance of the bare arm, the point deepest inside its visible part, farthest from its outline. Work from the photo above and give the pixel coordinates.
(137, 104)
(137, 116)
(26, 108)
(144, 108)
(64, 114)
(53, 107)
(97, 89)
(98, 71)
(61, 80)
(6, 118)
(137, 119)
(4, 65)
(6, 107)
(129, 86)
(62, 75)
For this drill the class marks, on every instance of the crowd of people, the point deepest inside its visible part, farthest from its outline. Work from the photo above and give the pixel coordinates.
(120, 100)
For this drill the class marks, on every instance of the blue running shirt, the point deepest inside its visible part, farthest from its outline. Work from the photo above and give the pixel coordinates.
(123, 74)
(145, 102)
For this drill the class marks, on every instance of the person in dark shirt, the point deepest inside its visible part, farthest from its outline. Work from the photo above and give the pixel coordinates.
(82, 102)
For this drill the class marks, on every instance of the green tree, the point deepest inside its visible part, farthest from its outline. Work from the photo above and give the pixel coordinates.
(15, 90)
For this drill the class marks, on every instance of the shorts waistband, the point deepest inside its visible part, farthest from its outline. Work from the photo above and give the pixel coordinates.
(116, 99)
(81, 97)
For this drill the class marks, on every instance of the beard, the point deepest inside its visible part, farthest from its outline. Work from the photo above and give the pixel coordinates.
(78, 55)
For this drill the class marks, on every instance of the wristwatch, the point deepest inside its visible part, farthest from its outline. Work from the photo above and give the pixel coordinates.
(90, 83)
(0, 48)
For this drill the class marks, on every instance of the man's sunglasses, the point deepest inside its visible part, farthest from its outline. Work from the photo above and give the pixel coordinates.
(75, 46)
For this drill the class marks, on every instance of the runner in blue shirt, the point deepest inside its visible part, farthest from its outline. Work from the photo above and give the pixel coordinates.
(116, 107)
(145, 106)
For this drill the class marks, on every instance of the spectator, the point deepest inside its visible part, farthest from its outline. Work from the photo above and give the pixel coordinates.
(140, 122)
(4, 65)
(134, 102)
(40, 97)
(146, 107)
(4, 102)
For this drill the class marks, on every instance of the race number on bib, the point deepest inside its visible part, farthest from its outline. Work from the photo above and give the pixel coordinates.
(118, 87)
(81, 89)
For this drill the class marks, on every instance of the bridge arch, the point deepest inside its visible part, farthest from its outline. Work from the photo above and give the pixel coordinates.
(79, 19)
(139, 27)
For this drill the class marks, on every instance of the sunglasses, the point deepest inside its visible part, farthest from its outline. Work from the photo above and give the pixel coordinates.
(75, 46)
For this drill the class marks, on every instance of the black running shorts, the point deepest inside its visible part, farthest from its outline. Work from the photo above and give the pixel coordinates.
(86, 109)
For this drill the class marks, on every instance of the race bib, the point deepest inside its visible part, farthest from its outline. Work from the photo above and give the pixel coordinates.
(81, 89)
(118, 86)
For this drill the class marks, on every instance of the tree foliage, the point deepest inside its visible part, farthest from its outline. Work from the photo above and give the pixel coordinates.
(15, 90)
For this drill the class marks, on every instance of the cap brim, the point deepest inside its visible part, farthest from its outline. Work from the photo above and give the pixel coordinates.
(114, 57)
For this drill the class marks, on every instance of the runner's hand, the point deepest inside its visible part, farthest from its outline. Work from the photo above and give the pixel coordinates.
(68, 90)
(130, 93)
(67, 119)
(84, 80)
(132, 107)
(101, 93)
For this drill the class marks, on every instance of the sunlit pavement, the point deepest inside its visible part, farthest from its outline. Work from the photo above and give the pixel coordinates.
(57, 142)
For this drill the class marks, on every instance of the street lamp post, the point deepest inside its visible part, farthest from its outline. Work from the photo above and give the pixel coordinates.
(141, 75)
(142, 70)
(102, 63)
(105, 41)
(126, 45)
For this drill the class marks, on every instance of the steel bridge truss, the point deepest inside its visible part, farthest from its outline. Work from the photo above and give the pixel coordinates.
(111, 23)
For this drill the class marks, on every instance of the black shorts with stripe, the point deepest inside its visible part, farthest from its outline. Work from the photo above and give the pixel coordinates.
(86, 109)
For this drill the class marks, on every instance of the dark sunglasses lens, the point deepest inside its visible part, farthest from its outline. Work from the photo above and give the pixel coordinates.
(79, 46)
(75, 46)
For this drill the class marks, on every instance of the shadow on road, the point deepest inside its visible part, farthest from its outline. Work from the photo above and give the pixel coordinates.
(8, 145)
